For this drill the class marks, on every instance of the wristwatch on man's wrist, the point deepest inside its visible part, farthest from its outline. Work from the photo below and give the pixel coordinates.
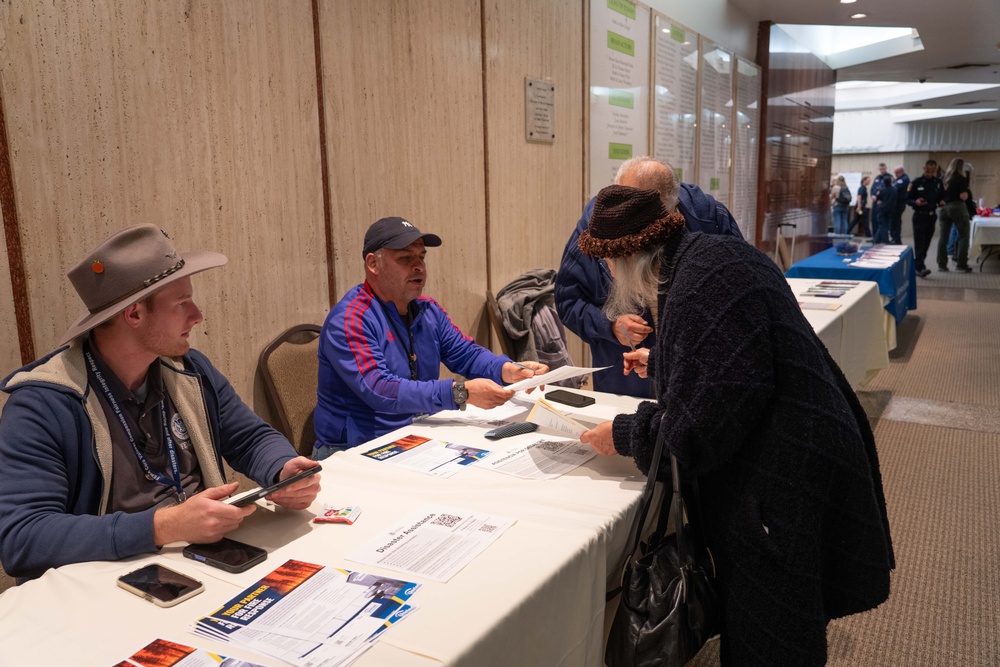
(460, 394)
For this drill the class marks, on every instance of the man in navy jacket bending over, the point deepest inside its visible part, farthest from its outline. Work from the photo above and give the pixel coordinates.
(382, 345)
(582, 282)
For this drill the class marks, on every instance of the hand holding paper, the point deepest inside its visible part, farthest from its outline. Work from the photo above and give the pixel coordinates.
(561, 373)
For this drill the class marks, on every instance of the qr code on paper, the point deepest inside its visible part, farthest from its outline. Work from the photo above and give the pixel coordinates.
(486, 528)
(446, 520)
(549, 446)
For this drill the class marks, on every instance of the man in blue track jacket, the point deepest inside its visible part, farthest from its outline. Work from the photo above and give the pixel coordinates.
(382, 345)
(582, 282)
(113, 445)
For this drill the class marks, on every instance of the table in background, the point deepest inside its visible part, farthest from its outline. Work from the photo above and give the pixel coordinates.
(536, 596)
(984, 237)
(855, 334)
(898, 282)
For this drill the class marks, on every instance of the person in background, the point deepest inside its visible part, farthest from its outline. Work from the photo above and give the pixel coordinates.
(883, 208)
(113, 445)
(582, 282)
(841, 205)
(955, 212)
(382, 346)
(795, 517)
(971, 206)
(901, 184)
(861, 207)
(925, 195)
(882, 179)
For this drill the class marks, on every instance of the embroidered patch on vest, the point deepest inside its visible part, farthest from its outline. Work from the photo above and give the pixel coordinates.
(178, 428)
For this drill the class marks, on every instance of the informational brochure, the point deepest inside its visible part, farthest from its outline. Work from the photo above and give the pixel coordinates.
(310, 615)
(544, 414)
(561, 373)
(812, 305)
(433, 457)
(163, 653)
(435, 542)
(542, 459)
(508, 413)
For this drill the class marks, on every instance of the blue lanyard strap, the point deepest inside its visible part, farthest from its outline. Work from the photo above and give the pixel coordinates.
(168, 440)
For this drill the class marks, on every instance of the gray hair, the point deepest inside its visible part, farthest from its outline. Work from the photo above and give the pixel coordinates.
(649, 173)
(636, 284)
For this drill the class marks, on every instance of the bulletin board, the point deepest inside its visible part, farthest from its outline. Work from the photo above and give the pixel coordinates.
(747, 144)
(675, 96)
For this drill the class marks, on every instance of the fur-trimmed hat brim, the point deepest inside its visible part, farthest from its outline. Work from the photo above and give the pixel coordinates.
(653, 234)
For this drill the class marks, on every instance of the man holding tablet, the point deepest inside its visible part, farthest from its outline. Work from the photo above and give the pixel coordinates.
(113, 445)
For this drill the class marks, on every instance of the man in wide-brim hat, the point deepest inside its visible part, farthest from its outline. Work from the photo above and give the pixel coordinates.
(761, 416)
(113, 445)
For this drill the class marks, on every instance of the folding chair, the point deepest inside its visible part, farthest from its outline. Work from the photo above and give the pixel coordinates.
(289, 368)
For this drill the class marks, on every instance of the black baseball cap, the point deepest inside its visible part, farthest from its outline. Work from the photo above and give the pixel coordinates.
(395, 233)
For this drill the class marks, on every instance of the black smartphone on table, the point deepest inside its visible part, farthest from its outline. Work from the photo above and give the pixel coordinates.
(253, 495)
(226, 554)
(569, 398)
(160, 585)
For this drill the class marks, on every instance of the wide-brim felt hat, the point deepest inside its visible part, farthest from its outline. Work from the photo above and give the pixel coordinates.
(626, 221)
(127, 267)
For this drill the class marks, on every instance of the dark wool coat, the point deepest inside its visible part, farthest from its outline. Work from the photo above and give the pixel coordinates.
(791, 493)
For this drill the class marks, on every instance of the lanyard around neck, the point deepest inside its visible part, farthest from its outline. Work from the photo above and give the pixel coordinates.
(411, 351)
(151, 475)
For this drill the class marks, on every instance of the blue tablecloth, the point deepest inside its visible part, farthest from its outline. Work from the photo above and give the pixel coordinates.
(898, 282)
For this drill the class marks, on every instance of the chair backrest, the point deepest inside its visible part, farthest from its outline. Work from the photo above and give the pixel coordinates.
(493, 313)
(6, 581)
(289, 369)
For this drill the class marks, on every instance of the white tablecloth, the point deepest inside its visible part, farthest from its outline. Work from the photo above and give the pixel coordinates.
(984, 232)
(534, 597)
(857, 333)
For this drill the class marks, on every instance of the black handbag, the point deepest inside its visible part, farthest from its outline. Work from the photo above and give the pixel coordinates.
(669, 604)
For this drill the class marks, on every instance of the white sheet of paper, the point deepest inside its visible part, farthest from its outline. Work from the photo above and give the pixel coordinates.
(435, 542)
(561, 373)
(543, 459)
(509, 412)
(545, 415)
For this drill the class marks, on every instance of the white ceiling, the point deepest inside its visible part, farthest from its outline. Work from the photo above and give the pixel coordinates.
(953, 33)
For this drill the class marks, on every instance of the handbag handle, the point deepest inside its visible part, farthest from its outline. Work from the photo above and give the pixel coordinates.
(635, 534)
(676, 507)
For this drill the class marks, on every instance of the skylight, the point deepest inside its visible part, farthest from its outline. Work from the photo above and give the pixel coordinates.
(845, 46)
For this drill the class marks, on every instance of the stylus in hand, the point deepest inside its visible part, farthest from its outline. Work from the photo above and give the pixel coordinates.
(621, 327)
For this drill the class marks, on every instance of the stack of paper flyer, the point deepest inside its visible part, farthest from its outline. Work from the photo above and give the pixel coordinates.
(163, 653)
(310, 615)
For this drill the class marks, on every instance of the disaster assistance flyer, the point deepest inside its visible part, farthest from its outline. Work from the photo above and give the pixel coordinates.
(434, 542)
(433, 457)
(163, 653)
(310, 615)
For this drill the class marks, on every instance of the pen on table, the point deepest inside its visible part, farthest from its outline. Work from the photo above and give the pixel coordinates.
(621, 327)
(527, 368)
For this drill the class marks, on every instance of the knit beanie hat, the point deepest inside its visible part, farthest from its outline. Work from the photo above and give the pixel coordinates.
(625, 221)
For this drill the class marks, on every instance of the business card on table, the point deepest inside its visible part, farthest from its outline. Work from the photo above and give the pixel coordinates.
(808, 305)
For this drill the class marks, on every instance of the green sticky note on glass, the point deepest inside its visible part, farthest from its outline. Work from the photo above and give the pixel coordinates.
(621, 98)
(621, 44)
(623, 7)
(677, 34)
(619, 151)
(713, 184)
